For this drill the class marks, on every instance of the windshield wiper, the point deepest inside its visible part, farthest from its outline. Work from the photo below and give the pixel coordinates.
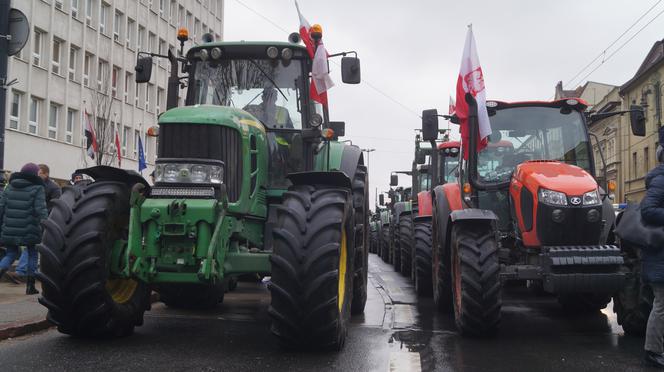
(268, 77)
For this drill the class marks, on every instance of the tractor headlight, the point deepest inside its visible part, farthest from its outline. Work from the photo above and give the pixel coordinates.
(551, 197)
(188, 173)
(591, 198)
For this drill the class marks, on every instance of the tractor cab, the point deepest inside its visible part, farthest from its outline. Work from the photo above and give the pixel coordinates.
(448, 161)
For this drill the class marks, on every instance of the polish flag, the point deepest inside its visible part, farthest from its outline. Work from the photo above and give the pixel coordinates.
(320, 75)
(91, 139)
(452, 107)
(117, 146)
(471, 80)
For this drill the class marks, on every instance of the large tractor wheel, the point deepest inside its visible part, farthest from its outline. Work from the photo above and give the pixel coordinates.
(405, 243)
(441, 267)
(361, 213)
(584, 302)
(192, 296)
(475, 278)
(312, 268)
(632, 305)
(82, 296)
(385, 243)
(395, 252)
(422, 258)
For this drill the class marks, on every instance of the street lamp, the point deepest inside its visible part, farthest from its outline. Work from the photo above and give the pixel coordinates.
(368, 151)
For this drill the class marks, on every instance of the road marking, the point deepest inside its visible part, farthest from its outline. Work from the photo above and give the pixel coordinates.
(403, 361)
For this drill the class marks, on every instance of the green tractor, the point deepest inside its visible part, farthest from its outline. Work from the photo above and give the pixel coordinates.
(249, 179)
(399, 205)
(383, 224)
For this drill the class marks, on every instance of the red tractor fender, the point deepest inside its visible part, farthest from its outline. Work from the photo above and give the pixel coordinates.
(424, 204)
(446, 199)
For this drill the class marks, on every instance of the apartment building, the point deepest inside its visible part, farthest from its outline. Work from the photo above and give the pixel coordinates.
(78, 48)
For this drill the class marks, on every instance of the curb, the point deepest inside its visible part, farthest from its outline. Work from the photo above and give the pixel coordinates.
(26, 327)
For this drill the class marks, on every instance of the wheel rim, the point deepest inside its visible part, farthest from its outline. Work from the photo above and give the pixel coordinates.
(121, 290)
(341, 295)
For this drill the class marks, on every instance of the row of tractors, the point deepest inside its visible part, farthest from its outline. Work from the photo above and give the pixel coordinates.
(526, 206)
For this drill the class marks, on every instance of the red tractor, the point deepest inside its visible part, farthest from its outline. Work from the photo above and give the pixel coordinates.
(528, 207)
(443, 169)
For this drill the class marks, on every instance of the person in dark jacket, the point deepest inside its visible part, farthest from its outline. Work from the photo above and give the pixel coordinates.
(652, 261)
(52, 189)
(22, 208)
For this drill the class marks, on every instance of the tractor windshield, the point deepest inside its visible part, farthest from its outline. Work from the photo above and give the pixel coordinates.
(533, 133)
(450, 167)
(268, 89)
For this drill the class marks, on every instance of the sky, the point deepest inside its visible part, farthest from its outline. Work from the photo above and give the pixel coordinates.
(411, 52)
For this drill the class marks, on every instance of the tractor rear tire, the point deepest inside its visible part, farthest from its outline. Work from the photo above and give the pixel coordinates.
(406, 243)
(361, 213)
(475, 278)
(82, 296)
(312, 268)
(441, 267)
(395, 252)
(192, 296)
(385, 243)
(422, 261)
(584, 302)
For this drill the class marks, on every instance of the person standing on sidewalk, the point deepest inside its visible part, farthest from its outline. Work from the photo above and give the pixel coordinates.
(53, 191)
(22, 208)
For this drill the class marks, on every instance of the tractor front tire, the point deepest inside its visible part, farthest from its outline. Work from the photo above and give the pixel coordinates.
(395, 253)
(312, 268)
(82, 296)
(422, 258)
(361, 213)
(192, 296)
(441, 267)
(385, 243)
(632, 305)
(584, 302)
(406, 243)
(475, 278)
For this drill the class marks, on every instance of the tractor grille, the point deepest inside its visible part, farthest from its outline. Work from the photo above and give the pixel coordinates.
(201, 141)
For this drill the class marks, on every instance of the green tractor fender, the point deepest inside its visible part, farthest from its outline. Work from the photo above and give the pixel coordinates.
(338, 156)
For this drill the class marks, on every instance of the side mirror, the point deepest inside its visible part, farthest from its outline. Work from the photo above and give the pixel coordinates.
(430, 125)
(350, 70)
(143, 69)
(394, 180)
(420, 157)
(637, 120)
(339, 128)
(381, 199)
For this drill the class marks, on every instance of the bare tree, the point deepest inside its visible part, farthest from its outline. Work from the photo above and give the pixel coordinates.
(102, 103)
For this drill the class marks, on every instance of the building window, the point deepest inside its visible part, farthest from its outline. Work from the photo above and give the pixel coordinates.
(171, 12)
(137, 94)
(117, 26)
(55, 58)
(635, 164)
(53, 121)
(136, 136)
(160, 99)
(181, 16)
(125, 134)
(71, 122)
(141, 38)
(190, 21)
(103, 17)
(88, 12)
(131, 33)
(73, 61)
(162, 7)
(37, 47)
(74, 8)
(59, 5)
(33, 120)
(152, 43)
(102, 75)
(86, 69)
(197, 30)
(114, 81)
(127, 82)
(146, 146)
(148, 94)
(15, 110)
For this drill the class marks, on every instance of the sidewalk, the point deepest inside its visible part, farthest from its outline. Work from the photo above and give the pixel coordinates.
(20, 314)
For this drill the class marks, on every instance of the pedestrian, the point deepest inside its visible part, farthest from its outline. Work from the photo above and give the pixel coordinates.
(652, 261)
(22, 208)
(76, 178)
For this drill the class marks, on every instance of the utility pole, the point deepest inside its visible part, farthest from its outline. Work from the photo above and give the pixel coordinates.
(4, 58)
(368, 151)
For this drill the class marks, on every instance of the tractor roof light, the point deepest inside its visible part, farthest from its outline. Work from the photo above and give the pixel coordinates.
(286, 54)
(572, 102)
(183, 34)
(328, 134)
(272, 52)
(215, 53)
(316, 32)
(491, 104)
(203, 54)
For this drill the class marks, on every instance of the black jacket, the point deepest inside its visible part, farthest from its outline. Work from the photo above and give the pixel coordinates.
(22, 208)
(652, 212)
(52, 191)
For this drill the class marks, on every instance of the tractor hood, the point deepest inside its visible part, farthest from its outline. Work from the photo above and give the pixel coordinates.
(212, 115)
(554, 175)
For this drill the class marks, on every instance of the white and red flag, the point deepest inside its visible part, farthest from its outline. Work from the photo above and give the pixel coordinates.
(320, 75)
(91, 138)
(452, 107)
(117, 146)
(471, 80)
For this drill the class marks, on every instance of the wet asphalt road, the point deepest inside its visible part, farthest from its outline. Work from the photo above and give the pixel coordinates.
(397, 333)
